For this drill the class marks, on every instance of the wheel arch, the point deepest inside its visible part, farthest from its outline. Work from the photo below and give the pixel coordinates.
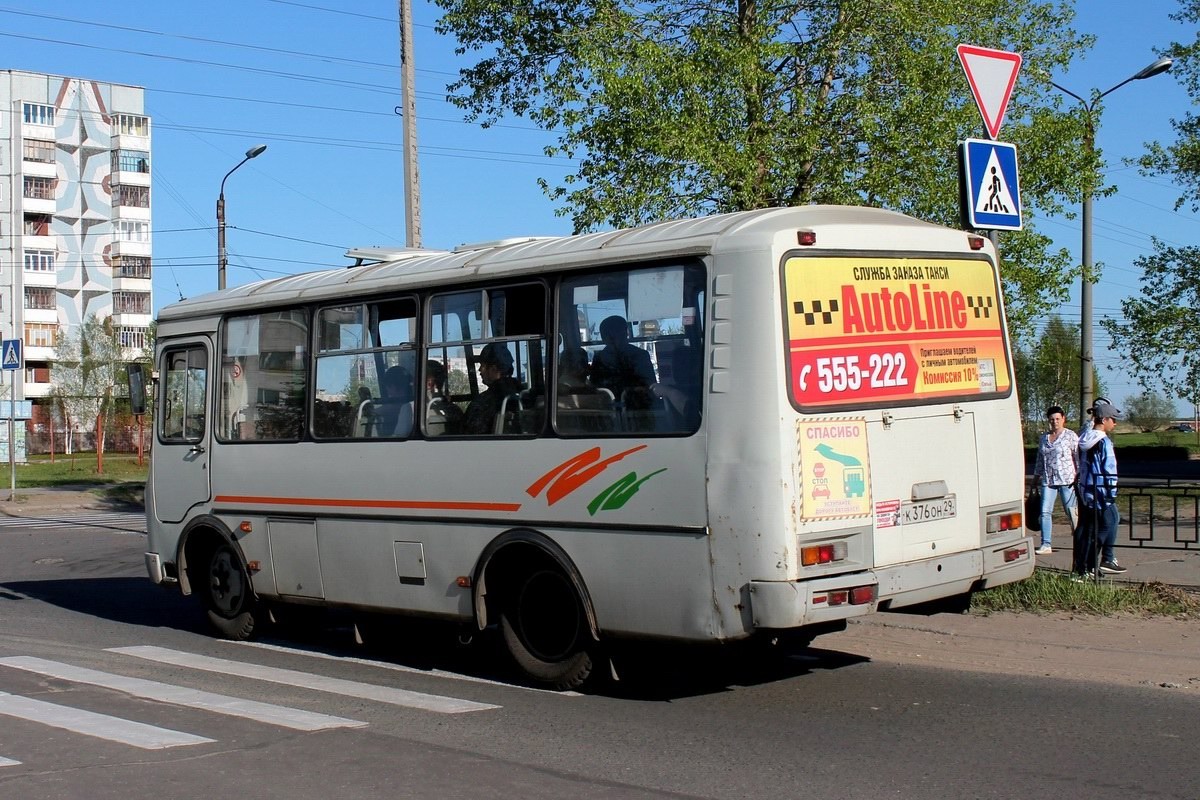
(508, 547)
(199, 538)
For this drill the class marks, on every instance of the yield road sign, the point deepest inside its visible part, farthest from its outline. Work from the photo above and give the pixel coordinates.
(992, 190)
(10, 353)
(992, 75)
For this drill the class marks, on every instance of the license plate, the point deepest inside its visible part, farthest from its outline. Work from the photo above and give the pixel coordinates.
(914, 512)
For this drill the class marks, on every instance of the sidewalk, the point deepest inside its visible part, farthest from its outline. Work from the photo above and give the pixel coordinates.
(64, 500)
(1177, 567)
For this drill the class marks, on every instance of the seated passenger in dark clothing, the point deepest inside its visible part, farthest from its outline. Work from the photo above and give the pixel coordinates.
(622, 368)
(495, 370)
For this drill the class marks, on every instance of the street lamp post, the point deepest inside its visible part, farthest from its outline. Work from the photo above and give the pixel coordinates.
(222, 259)
(1085, 292)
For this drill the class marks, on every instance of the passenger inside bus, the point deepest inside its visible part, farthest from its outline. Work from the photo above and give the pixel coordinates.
(395, 409)
(622, 368)
(495, 370)
(441, 415)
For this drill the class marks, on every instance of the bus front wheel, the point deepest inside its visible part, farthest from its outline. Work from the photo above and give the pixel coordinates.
(546, 632)
(227, 595)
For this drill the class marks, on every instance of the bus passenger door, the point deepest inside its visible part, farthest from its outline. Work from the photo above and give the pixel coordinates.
(181, 454)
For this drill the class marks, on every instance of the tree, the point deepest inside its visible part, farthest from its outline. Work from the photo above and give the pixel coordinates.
(681, 108)
(1048, 372)
(1149, 411)
(1161, 325)
(1180, 161)
(87, 372)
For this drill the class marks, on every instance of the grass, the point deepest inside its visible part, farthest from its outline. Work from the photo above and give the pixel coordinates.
(1048, 591)
(76, 470)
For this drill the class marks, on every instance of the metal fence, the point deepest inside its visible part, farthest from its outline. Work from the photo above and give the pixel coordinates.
(1159, 513)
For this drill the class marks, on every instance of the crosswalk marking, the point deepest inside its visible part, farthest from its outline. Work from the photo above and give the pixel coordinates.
(127, 521)
(268, 713)
(362, 691)
(8, 762)
(101, 726)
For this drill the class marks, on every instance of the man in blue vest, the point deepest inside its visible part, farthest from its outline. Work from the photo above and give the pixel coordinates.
(1098, 494)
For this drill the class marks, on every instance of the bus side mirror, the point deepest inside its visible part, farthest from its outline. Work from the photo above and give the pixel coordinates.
(137, 388)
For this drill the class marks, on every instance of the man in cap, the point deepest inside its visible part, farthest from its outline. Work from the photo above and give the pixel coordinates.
(1098, 493)
(495, 370)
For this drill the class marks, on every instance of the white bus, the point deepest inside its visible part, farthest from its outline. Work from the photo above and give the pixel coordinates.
(709, 429)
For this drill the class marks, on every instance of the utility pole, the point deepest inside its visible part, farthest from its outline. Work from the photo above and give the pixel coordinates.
(408, 102)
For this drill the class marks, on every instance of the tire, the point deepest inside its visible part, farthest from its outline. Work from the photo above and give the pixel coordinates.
(545, 631)
(228, 596)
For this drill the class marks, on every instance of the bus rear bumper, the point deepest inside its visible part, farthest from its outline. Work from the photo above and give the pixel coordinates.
(794, 604)
(956, 574)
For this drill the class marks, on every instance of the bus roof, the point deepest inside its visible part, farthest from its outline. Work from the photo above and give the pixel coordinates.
(382, 269)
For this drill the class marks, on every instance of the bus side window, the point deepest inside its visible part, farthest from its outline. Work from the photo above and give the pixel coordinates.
(184, 391)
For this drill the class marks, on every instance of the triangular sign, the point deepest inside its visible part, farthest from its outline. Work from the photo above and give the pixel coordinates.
(993, 195)
(992, 75)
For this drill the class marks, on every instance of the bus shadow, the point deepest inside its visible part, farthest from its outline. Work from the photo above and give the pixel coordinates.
(645, 673)
(133, 601)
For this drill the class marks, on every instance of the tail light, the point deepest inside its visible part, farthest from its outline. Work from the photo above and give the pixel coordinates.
(822, 553)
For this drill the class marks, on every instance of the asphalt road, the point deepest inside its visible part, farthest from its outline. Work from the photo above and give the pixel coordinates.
(821, 724)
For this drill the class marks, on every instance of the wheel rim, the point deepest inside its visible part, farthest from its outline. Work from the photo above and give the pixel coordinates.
(227, 583)
(547, 616)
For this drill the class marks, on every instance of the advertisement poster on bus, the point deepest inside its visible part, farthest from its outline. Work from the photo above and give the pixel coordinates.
(833, 458)
(865, 331)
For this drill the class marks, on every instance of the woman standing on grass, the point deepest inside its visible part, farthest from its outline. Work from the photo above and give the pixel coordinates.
(1055, 470)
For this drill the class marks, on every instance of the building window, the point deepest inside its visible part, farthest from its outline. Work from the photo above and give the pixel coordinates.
(37, 224)
(131, 161)
(128, 230)
(40, 334)
(131, 302)
(131, 267)
(39, 114)
(39, 261)
(39, 150)
(39, 298)
(133, 125)
(39, 188)
(39, 373)
(132, 196)
(132, 337)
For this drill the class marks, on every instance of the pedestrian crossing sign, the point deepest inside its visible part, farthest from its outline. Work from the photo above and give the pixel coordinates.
(10, 353)
(991, 187)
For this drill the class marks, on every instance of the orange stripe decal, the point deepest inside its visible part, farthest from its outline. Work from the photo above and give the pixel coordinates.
(330, 502)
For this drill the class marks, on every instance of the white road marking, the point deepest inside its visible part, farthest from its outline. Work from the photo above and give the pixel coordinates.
(320, 683)
(8, 762)
(293, 718)
(117, 521)
(101, 726)
(436, 673)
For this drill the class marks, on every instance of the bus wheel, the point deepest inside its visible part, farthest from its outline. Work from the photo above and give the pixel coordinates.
(545, 630)
(227, 595)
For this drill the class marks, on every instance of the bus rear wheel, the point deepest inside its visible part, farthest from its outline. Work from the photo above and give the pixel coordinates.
(227, 595)
(545, 630)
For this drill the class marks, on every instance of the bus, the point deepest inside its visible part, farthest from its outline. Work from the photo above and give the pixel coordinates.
(751, 425)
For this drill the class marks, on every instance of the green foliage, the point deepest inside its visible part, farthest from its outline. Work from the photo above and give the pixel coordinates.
(1162, 324)
(77, 470)
(1149, 411)
(1180, 161)
(677, 109)
(1048, 373)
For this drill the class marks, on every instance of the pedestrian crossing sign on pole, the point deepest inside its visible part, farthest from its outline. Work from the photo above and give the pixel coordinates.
(10, 353)
(991, 195)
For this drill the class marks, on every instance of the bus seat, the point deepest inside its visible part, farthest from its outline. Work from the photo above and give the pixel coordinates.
(509, 419)
(590, 411)
(364, 418)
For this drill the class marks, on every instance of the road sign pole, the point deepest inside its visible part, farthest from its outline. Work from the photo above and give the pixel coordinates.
(12, 452)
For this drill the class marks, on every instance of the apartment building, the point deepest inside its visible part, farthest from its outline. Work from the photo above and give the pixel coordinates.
(75, 221)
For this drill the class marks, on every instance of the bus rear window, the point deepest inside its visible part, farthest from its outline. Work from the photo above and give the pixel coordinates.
(868, 331)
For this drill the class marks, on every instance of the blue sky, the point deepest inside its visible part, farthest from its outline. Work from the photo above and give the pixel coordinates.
(317, 82)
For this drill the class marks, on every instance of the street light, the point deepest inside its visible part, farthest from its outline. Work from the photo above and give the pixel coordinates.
(1085, 293)
(222, 259)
